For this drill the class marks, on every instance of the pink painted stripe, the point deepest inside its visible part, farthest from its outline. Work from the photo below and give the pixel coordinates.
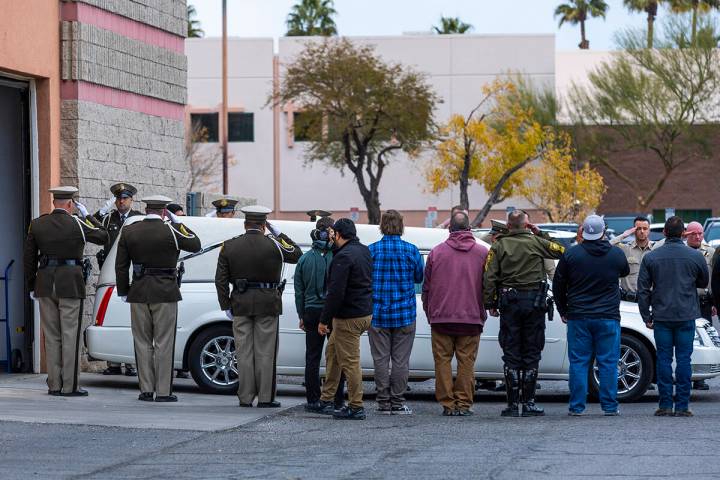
(90, 92)
(82, 12)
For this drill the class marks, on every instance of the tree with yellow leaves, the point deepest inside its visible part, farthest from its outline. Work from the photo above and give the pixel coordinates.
(490, 148)
(561, 188)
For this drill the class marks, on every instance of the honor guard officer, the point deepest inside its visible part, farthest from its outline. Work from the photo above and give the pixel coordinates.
(253, 264)
(56, 276)
(225, 207)
(152, 246)
(314, 214)
(112, 220)
(515, 282)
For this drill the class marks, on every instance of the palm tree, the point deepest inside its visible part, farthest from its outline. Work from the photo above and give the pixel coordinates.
(312, 18)
(578, 11)
(449, 25)
(695, 6)
(194, 30)
(651, 8)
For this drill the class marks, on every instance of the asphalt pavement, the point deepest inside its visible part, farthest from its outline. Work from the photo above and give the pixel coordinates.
(293, 444)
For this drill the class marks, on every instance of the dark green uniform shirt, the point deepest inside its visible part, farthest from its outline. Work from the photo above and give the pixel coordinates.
(152, 243)
(515, 260)
(59, 236)
(256, 258)
(112, 222)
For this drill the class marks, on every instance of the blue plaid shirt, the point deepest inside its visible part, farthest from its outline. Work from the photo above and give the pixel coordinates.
(397, 267)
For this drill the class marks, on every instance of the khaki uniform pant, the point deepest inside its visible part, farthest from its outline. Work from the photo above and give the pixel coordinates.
(458, 394)
(60, 321)
(342, 355)
(154, 326)
(256, 345)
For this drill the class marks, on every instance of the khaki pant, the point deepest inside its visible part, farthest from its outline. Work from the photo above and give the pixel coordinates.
(342, 355)
(458, 394)
(154, 326)
(256, 345)
(60, 321)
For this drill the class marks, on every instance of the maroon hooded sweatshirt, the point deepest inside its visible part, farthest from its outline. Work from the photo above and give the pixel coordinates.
(453, 288)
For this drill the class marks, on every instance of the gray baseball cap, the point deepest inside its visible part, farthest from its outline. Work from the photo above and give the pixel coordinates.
(593, 227)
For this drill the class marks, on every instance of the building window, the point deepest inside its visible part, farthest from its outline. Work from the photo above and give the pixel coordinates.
(687, 215)
(306, 126)
(241, 127)
(205, 127)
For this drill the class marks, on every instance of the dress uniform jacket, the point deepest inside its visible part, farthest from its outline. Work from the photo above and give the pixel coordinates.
(152, 244)
(59, 236)
(112, 222)
(256, 258)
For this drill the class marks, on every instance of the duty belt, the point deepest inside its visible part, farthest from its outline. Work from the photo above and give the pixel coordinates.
(628, 296)
(529, 293)
(58, 262)
(141, 270)
(259, 285)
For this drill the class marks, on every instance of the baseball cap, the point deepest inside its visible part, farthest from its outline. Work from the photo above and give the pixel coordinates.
(346, 228)
(593, 227)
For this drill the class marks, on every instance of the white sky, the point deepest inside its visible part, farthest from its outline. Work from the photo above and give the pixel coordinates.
(266, 18)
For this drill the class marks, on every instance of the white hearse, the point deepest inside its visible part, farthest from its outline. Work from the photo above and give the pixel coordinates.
(205, 345)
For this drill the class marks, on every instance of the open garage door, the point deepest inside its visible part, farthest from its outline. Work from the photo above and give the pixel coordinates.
(15, 201)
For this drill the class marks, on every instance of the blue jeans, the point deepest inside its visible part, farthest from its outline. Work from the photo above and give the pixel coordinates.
(601, 339)
(678, 336)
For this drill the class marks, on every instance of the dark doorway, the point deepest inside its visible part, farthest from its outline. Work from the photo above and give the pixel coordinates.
(15, 198)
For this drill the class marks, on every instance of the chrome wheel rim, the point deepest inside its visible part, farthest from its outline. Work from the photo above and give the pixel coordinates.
(629, 370)
(217, 361)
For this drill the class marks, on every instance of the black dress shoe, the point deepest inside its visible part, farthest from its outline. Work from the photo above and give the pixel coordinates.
(181, 374)
(112, 371)
(146, 396)
(77, 393)
(166, 398)
(273, 404)
(130, 371)
(246, 405)
(54, 393)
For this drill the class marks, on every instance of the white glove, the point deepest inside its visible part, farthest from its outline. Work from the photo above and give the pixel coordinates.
(228, 313)
(32, 296)
(211, 214)
(273, 229)
(81, 208)
(124, 299)
(105, 209)
(173, 218)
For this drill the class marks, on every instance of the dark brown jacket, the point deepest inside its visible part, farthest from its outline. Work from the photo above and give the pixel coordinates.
(256, 258)
(152, 243)
(59, 235)
(112, 222)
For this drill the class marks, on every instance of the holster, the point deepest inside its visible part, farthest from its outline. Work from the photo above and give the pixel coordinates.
(281, 286)
(180, 273)
(87, 269)
(100, 256)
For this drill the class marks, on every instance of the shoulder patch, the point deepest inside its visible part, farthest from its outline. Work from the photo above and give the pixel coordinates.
(490, 256)
(183, 230)
(557, 248)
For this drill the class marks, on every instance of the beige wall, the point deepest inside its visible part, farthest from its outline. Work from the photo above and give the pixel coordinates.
(30, 47)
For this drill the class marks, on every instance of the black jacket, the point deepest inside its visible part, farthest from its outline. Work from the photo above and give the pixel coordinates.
(349, 284)
(586, 282)
(668, 279)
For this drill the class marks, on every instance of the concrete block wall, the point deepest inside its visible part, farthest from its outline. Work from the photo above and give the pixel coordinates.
(123, 90)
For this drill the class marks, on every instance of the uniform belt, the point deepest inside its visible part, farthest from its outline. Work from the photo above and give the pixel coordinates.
(628, 296)
(58, 262)
(141, 270)
(262, 285)
(521, 293)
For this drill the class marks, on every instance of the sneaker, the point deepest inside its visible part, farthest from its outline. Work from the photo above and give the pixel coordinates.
(573, 413)
(448, 412)
(350, 413)
(383, 410)
(613, 413)
(325, 408)
(465, 412)
(683, 413)
(401, 410)
(663, 412)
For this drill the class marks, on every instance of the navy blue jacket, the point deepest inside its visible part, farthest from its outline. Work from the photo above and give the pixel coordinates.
(668, 281)
(586, 281)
